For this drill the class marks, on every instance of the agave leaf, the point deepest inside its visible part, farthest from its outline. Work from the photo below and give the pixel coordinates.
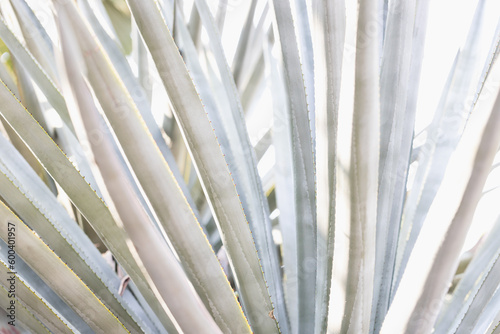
(58, 276)
(284, 184)
(383, 10)
(102, 17)
(36, 38)
(489, 323)
(489, 317)
(305, 46)
(329, 37)
(177, 293)
(122, 67)
(251, 56)
(482, 300)
(419, 317)
(406, 241)
(27, 94)
(25, 193)
(78, 190)
(115, 53)
(243, 45)
(194, 25)
(454, 309)
(494, 326)
(30, 278)
(407, 149)
(364, 175)
(17, 141)
(7, 78)
(220, 16)
(13, 137)
(452, 115)
(22, 148)
(338, 305)
(129, 209)
(30, 297)
(303, 166)
(23, 315)
(73, 149)
(144, 76)
(243, 166)
(263, 144)
(214, 99)
(488, 66)
(254, 83)
(122, 24)
(210, 163)
(175, 214)
(36, 71)
(394, 84)
(447, 258)
(400, 72)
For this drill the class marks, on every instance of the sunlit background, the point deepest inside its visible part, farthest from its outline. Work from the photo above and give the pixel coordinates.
(447, 30)
(448, 25)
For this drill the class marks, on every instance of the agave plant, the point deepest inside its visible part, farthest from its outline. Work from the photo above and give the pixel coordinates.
(151, 181)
